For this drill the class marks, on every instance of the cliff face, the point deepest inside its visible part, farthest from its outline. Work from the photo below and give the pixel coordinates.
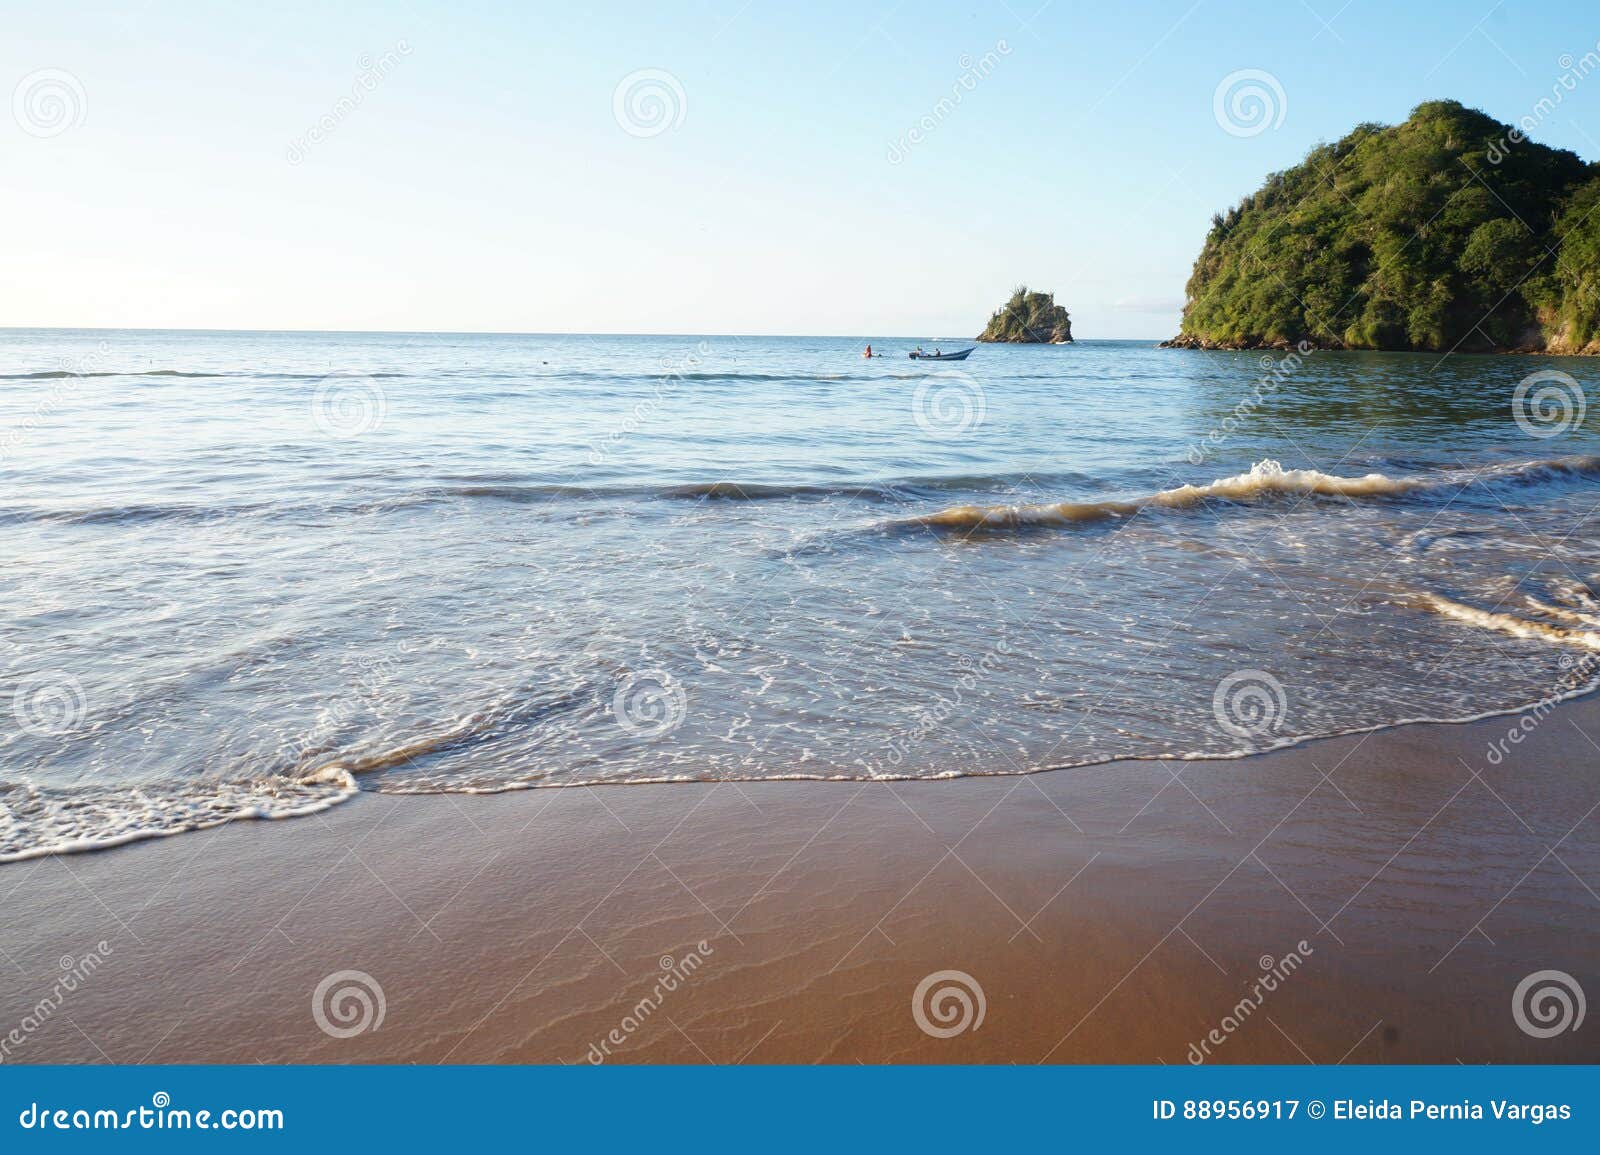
(1029, 319)
(1450, 231)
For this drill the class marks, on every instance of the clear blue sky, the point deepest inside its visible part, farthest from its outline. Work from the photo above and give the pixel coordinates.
(485, 182)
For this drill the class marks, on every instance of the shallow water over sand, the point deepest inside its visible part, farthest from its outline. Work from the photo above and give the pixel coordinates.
(251, 573)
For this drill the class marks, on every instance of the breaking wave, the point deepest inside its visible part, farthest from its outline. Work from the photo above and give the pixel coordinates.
(1265, 479)
(1523, 627)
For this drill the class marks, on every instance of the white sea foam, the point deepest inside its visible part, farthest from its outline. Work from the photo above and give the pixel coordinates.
(1265, 478)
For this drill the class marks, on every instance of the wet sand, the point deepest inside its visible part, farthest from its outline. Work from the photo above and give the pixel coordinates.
(1109, 914)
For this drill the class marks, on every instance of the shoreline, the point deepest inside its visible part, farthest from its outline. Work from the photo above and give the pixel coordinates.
(1195, 343)
(1537, 708)
(1114, 913)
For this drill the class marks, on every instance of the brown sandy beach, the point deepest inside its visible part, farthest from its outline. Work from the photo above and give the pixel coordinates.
(1114, 913)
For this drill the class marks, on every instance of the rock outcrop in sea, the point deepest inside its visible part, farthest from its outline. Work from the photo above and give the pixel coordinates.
(1029, 318)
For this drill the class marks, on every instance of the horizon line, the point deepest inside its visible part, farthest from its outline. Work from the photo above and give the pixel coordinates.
(519, 333)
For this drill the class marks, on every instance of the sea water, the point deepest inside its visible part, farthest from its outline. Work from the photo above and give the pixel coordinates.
(249, 574)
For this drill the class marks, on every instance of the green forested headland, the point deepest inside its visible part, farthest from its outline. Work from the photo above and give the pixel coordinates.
(1449, 231)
